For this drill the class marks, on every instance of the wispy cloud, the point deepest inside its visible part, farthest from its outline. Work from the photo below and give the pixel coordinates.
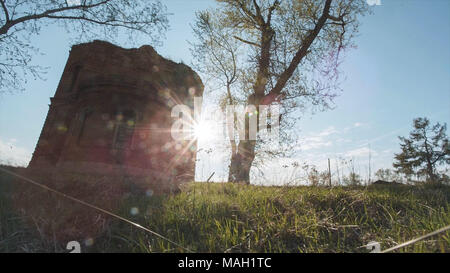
(319, 140)
(361, 152)
(315, 144)
(389, 134)
(355, 125)
(328, 131)
(12, 154)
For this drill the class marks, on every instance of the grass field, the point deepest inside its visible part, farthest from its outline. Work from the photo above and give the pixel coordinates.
(213, 217)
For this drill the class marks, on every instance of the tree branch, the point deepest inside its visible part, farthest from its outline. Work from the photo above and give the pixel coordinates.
(271, 9)
(5, 9)
(247, 42)
(302, 51)
(4, 29)
(259, 17)
(334, 18)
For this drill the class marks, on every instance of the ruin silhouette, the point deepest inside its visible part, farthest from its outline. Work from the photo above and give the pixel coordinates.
(111, 116)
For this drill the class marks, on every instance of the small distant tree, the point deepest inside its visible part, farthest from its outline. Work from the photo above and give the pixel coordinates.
(425, 149)
(314, 176)
(387, 175)
(353, 179)
(324, 178)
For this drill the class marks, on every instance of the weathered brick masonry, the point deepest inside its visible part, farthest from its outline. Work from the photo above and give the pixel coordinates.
(111, 116)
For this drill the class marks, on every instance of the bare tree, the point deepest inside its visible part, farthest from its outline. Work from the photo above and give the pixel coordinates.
(292, 52)
(21, 19)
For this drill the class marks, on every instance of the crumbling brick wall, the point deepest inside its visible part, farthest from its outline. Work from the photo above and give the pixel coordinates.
(110, 115)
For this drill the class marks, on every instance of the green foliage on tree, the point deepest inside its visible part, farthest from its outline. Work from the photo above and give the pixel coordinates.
(272, 51)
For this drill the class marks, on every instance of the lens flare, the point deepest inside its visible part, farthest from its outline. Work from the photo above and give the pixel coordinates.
(202, 131)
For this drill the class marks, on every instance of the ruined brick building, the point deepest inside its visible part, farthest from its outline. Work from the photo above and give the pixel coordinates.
(111, 115)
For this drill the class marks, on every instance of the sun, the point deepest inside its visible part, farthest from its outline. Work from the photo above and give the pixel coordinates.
(202, 131)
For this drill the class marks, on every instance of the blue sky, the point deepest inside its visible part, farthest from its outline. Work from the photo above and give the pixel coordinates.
(399, 71)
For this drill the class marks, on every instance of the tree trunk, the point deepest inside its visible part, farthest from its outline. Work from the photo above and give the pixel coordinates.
(430, 167)
(241, 162)
(233, 154)
(242, 158)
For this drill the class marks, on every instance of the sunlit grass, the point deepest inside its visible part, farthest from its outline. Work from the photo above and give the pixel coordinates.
(210, 217)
